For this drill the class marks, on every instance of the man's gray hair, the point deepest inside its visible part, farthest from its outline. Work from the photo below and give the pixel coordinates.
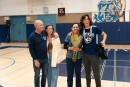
(36, 22)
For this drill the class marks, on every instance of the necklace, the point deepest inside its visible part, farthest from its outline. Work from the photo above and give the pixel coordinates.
(87, 36)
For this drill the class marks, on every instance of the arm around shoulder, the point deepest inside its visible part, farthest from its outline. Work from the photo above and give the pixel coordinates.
(56, 35)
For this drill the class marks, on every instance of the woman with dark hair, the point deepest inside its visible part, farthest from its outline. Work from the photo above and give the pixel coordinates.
(54, 48)
(90, 58)
(73, 44)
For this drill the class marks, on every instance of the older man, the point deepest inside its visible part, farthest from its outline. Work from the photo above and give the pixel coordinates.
(38, 51)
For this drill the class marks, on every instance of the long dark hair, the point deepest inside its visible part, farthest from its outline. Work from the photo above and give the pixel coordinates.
(82, 19)
(52, 35)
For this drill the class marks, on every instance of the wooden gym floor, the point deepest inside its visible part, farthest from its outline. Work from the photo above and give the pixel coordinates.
(16, 68)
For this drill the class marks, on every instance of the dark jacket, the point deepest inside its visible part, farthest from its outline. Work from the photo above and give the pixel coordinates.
(101, 52)
(38, 46)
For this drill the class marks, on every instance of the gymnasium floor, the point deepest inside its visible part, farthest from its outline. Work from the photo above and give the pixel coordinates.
(16, 67)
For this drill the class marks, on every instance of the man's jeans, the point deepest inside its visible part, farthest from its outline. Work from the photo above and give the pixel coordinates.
(43, 67)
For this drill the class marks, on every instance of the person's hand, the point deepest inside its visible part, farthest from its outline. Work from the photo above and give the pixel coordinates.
(80, 49)
(103, 44)
(77, 49)
(36, 63)
(70, 48)
(56, 35)
(120, 13)
(70, 33)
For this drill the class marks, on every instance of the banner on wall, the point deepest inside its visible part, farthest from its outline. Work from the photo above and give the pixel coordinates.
(111, 11)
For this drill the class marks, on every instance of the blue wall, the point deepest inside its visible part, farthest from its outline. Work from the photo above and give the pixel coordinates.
(118, 32)
(63, 29)
(48, 19)
(29, 29)
(3, 33)
(18, 28)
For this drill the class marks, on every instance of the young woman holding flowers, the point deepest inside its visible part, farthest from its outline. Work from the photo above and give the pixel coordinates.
(73, 44)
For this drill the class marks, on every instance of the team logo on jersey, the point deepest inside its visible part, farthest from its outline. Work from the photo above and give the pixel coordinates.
(88, 37)
(44, 37)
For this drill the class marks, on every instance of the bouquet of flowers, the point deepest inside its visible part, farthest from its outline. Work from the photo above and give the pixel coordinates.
(75, 39)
